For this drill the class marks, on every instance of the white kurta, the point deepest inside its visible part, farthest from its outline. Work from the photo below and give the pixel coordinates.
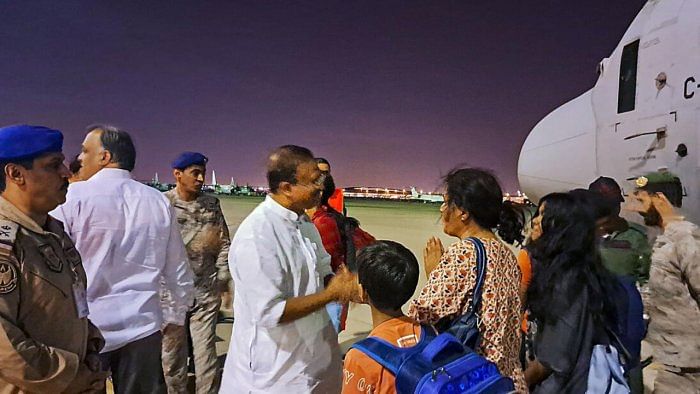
(276, 255)
(128, 236)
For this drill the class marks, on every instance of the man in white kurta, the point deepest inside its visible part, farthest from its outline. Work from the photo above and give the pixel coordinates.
(283, 340)
(129, 238)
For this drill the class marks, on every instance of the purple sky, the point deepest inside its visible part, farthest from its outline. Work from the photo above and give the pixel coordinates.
(393, 93)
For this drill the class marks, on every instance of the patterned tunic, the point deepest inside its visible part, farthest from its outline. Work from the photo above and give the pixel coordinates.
(448, 293)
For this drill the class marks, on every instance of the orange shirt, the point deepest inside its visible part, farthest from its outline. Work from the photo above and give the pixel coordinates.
(361, 374)
(525, 268)
(525, 277)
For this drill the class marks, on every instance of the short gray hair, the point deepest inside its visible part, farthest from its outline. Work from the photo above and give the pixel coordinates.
(118, 142)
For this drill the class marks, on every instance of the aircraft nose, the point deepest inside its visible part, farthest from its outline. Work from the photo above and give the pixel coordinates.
(559, 152)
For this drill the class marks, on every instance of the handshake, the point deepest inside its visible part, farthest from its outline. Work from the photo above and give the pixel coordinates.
(344, 287)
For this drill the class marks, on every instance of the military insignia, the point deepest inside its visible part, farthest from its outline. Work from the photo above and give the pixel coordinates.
(641, 181)
(73, 256)
(8, 232)
(51, 258)
(8, 277)
(5, 249)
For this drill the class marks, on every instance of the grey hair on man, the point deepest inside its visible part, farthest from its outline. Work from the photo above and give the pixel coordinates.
(119, 143)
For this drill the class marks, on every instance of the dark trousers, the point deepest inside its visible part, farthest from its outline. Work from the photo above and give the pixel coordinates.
(136, 368)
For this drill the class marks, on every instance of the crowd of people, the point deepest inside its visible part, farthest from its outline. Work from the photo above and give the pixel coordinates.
(102, 276)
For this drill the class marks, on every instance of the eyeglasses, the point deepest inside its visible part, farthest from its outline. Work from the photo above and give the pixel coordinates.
(318, 183)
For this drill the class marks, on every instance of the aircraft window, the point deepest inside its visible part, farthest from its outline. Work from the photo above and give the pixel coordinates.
(628, 78)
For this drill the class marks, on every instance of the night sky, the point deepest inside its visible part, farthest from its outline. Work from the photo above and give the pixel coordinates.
(393, 93)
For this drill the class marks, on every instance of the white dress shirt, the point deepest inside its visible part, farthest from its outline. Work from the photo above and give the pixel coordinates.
(276, 255)
(128, 237)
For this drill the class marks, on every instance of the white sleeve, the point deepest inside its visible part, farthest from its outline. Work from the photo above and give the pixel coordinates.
(259, 280)
(324, 259)
(178, 278)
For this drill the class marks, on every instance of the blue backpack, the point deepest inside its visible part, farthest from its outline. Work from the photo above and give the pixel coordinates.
(442, 363)
(437, 364)
(613, 359)
(630, 328)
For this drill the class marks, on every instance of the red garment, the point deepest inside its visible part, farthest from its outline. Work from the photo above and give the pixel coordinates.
(333, 243)
(330, 235)
(336, 201)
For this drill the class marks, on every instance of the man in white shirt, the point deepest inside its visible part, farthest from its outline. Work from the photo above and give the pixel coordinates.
(129, 238)
(283, 340)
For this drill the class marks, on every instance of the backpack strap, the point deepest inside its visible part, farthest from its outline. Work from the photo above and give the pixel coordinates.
(615, 341)
(392, 357)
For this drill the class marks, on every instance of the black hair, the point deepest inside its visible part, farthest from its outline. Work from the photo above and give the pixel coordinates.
(477, 191)
(321, 160)
(673, 191)
(282, 165)
(119, 143)
(328, 189)
(566, 262)
(74, 165)
(388, 272)
(26, 163)
(341, 220)
(597, 205)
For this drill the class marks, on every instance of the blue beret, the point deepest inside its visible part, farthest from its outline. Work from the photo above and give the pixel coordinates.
(187, 159)
(23, 142)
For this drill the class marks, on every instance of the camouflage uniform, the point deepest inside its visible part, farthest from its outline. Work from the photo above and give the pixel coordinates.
(674, 331)
(206, 238)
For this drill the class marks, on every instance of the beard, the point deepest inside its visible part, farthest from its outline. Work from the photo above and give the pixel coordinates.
(651, 217)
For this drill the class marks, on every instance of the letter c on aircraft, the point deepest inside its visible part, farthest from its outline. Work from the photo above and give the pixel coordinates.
(686, 93)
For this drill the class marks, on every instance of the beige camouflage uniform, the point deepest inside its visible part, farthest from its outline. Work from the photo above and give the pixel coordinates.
(674, 308)
(206, 237)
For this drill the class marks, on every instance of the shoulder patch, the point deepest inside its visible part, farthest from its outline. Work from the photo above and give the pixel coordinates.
(8, 277)
(8, 232)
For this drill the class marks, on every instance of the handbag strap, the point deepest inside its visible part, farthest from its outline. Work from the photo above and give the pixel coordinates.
(480, 272)
(481, 260)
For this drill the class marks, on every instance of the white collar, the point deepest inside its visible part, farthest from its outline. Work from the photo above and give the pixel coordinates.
(111, 173)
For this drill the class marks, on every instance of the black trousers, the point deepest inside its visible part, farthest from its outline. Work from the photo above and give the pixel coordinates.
(136, 367)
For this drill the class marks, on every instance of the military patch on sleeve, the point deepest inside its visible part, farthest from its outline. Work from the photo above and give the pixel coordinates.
(6, 250)
(8, 232)
(8, 277)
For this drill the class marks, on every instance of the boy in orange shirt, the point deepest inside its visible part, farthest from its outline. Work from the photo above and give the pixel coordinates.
(388, 275)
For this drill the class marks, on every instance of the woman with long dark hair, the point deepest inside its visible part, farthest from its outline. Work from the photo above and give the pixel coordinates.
(474, 207)
(569, 298)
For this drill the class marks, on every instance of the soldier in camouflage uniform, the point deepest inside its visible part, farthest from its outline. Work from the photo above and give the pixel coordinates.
(206, 237)
(674, 285)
